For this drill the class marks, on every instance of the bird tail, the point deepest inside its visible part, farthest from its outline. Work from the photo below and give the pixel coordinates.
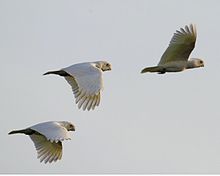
(17, 131)
(151, 69)
(59, 72)
(27, 131)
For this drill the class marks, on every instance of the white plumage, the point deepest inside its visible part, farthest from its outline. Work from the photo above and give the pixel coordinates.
(86, 82)
(175, 58)
(48, 137)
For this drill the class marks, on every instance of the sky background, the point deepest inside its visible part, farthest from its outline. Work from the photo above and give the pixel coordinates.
(146, 123)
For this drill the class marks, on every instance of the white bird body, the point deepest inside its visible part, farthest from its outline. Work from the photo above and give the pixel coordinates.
(88, 77)
(175, 66)
(52, 130)
(175, 58)
(47, 138)
(86, 82)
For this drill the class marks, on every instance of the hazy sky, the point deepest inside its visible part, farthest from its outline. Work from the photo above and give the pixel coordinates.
(146, 123)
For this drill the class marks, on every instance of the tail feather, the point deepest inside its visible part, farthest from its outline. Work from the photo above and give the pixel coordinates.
(27, 131)
(151, 69)
(59, 72)
(17, 131)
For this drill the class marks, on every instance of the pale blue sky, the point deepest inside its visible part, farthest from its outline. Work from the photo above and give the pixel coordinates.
(145, 123)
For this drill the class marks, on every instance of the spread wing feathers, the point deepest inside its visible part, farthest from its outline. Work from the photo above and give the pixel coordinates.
(88, 102)
(181, 45)
(53, 131)
(72, 82)
(47, 151)
(86, 82)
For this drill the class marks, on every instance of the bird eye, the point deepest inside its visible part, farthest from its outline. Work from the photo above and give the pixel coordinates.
(201, 62)
(107, 65)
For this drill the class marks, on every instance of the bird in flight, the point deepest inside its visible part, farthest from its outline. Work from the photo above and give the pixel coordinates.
(47, 138)
(175, 58)
(86, 82)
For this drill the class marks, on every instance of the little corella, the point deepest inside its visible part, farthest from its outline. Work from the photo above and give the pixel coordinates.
(175, 58)
(48, 137)
(86, 81)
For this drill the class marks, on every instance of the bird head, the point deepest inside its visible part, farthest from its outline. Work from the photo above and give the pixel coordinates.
(103, 65)
(69, 126)
(197, 62)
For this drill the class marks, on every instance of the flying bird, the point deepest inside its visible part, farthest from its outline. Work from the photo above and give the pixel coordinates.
(47, 138)
(175, 58)
(86, 82)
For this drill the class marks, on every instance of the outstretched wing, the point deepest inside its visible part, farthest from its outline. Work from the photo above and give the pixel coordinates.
(52, 130)
(86, 82)
(47, 151)
(181, 45)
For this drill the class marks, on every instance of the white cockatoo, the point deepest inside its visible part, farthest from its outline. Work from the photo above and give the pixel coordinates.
(86, 82)
(48, 137)
(175, 58)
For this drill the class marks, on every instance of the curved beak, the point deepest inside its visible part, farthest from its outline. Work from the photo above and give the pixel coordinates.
(72, 129)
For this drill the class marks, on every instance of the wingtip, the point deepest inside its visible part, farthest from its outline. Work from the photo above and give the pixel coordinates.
(192, 28)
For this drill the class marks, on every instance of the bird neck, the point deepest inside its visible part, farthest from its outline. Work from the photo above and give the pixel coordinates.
(98, 65)
(190, 64)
